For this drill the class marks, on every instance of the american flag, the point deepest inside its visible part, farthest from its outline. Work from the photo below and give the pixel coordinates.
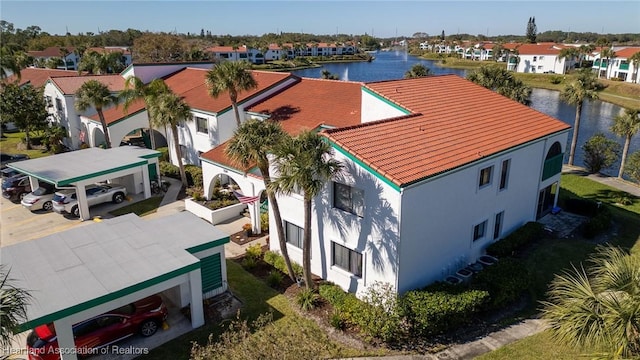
(245, 199)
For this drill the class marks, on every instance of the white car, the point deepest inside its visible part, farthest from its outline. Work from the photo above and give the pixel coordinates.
(39, 199)
(65, 201)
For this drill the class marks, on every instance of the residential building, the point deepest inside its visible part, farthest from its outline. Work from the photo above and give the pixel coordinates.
(432, 176)
(620, 66)
(542, 58)
(68, 54)
(37, 77)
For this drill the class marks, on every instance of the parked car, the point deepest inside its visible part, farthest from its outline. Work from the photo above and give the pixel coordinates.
(16, 187)
(40, 198)
(8, 172)
(9, 158)
(144, 317)
(66, 201)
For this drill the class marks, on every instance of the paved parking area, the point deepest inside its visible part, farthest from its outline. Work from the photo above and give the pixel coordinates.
(19, 224)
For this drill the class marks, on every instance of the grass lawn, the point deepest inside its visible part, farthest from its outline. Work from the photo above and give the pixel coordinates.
(258, 298)
(140, 208)
(555, 255)
(12, 144)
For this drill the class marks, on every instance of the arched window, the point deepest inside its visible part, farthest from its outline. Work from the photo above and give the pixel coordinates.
(555, 149)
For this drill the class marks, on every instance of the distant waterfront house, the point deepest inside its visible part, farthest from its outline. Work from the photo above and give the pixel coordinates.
(273, 52)
(66, 54)
(620, 67)
(432, 176)
(37, 77)
(542, 58)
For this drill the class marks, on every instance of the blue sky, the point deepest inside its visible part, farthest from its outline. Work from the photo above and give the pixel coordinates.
(382, 18)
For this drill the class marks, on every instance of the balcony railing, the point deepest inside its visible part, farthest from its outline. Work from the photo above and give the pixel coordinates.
(624, 66)
(552, 166)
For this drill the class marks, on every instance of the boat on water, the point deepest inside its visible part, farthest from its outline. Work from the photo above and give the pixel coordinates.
(371, 51)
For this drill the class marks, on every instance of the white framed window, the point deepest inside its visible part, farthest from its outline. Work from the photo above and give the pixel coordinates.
(541, 57)
(202, 125)
(479, 230)
(535, 58)
(497, 225)
(293, 234)
(346, 259)
(485, 177)
(504, 174)
(348, 198)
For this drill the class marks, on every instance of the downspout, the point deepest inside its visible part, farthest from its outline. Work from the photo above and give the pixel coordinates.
(401, 193)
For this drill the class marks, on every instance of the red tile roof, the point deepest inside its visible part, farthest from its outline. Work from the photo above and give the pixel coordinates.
(69, 85)
(540, 49)
(627, 52)
(52, 51)
(455, 123)
(38, 77)
(109, 50)
(314, 102)
(227, 49)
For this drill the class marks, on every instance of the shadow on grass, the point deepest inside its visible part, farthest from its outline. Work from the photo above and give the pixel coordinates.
(257, 298)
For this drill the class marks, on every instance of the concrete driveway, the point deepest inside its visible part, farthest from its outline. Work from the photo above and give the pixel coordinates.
(19, 224)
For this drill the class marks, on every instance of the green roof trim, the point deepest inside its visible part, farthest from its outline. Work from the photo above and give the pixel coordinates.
(209, 245)
(363, 165)
(89, 176)
(108, 297)
(157, 154)
(385, 100)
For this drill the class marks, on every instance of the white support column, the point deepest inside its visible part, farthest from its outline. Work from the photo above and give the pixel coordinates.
(81, 196)
(33, 181)
(256, 217)
(197, 311)
(146, 181)
(65, 339)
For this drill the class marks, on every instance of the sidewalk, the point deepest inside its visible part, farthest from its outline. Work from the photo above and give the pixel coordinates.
(614, 182)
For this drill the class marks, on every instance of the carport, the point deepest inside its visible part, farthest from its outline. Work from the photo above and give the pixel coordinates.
(89, 270)
(131, 166)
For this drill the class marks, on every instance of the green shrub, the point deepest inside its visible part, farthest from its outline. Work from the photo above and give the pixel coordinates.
(218, 204)
(555, 79)
(275, 278)
(597, 224)
(277, 261)
(194, 175)
(379, 313)
(336, 320)
(196, 193)
(254, 251)
(164, 153)
(264, 221)
(434, 312)
(506, 247)
(169, 170)
(249, 263)
(332, 293)
(307, 299)
(505, 282)
(624, 199)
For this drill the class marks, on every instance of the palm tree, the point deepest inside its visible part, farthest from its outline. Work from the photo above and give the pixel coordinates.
(13, 307)
(635, 60)
(8, 63)
(251, 144)
(304, 163)
(170, 110)
(626, 125)
(575, 93)
(568, 54)
(417, 70)
(135, 89)
(597, 308)
(502, 81)
(326, 74)
(232, 77)
(96, 94)
(585, 50)
(608, 54)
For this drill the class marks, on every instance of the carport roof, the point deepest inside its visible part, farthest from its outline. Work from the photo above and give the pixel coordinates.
(68, 168)
(78, 269)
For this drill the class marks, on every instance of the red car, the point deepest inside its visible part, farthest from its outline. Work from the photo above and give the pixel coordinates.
(143, 316)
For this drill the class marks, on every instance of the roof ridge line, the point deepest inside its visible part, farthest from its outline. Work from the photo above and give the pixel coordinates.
(372, 123)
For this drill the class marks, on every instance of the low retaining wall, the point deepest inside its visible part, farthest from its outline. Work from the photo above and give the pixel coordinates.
(214, 216)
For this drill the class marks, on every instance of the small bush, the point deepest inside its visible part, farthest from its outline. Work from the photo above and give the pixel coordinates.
(307, 299)
(555, 79)
(505, 282)
(194, 175)
(275, 278)
(254, 251)
(600, 153)
(169, 170)
(337, 320)
(264, 221)
(332, 293)
(164, 153)
(277, 261)
(506, 247)
(625, 200)
(196, 193)
(249, 263)
(379, 313)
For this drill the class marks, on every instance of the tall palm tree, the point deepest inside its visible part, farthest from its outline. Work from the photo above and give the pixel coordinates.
(135, 89)
(170, 110)
(575, 93)
(251, 144)
(8, 63)
(585, 50)
(598, 308)
(304, 163)
(96, 94)
(608, 54)
(626, 125)
(568, 54)
(13, 307)
(232, 77)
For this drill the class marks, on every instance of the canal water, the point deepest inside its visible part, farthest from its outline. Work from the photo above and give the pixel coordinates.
(597, 116)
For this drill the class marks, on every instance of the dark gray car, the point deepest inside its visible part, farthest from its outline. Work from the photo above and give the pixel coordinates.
(9, 158)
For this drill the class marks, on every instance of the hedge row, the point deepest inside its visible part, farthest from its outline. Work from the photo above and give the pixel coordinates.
(597, 224)
(506, 247)
(277, 261)
(505, 282)
(193, 172)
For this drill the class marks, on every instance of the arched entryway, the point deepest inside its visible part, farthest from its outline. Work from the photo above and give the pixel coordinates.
(548, 197)
(143, 137)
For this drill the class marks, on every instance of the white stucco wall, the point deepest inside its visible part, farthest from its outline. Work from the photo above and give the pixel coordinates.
(147, 72)
(545, 64)
(376, 108)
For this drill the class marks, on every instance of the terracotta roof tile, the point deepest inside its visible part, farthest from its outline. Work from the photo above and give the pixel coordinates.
(627, 52)
(38, 77)
(540, 49)
(52, 51)
(314, 102)
(456, 123)
(229, 49)
(69, 85)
